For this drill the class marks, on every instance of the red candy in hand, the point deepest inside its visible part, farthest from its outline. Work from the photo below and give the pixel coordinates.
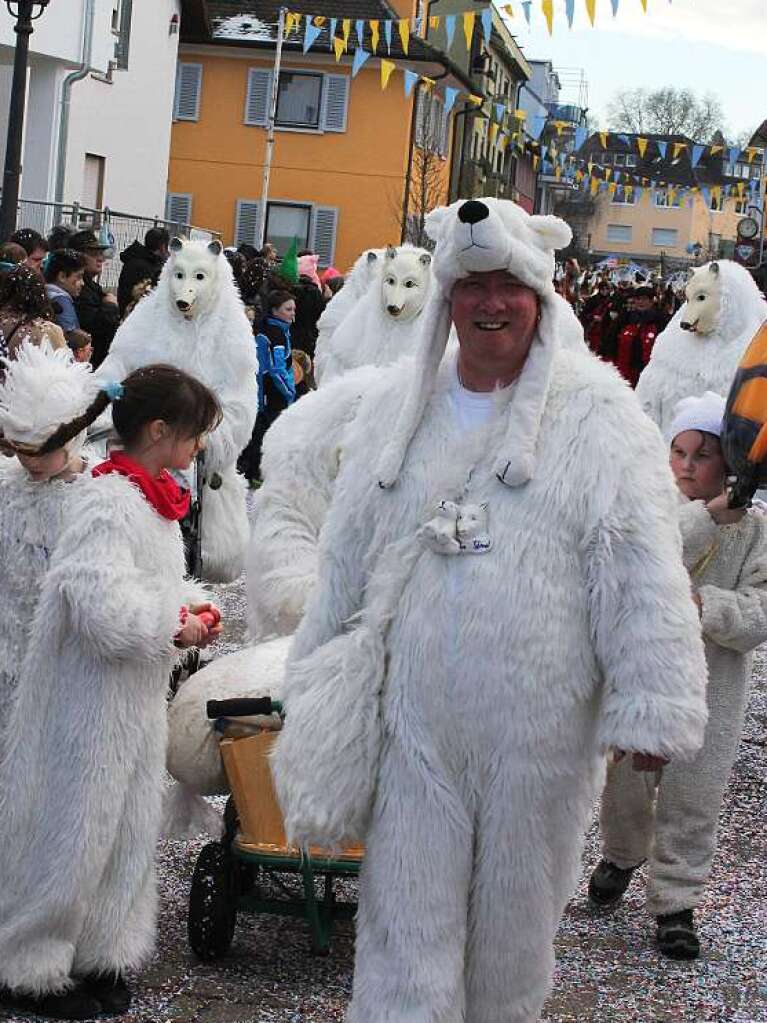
(210, 618)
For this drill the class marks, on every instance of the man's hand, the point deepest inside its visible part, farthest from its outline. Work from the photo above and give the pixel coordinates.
(110, 298)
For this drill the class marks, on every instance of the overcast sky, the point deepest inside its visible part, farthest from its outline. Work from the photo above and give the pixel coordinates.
(717, 46)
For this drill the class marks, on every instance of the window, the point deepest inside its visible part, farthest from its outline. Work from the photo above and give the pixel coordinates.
(298, 100)
(122, 14)
(631, 160)
(178, 209)
(305, 100)
(665, 237)
(717, 203)
(715, 245)
(432, 124)
(741, 206)
(607, 159)
(623, 197)
(619, 159)
(665, 200)
(93, 181)
(186, 103)
(313, 226)
(619, 233)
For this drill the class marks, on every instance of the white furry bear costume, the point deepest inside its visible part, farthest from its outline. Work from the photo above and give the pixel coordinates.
(724, 310)
(81, 783)
(43, 388)
(213, 340)
(453, 711)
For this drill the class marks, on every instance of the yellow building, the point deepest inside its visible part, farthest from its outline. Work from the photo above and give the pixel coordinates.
(342, 148)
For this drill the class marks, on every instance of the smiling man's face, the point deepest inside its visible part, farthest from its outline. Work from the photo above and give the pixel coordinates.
(495, 316)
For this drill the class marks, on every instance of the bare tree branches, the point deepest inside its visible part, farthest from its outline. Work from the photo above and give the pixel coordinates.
(428, 182)
(665, 111)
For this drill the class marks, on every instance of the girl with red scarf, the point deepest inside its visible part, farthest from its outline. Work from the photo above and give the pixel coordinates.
(82, 779)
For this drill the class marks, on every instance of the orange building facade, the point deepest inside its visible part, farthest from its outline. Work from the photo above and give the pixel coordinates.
(340, 160)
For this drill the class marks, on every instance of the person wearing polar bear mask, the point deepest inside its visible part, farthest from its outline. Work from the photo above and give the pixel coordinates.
(537, 462)
(195, 320)
(700, 349)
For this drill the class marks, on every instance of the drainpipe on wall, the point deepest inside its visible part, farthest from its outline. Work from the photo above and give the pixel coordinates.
(66, 95)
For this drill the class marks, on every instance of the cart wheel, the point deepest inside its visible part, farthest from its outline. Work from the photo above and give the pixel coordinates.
(212, 903)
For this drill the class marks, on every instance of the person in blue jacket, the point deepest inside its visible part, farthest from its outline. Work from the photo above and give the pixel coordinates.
(64, 272)
(276, 384)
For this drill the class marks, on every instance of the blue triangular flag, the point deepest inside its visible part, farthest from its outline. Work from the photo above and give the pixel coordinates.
(450, 97)
(333, 23)
(734, 154)
(359, 28)
(387, 35)
(537, 126)
(697, 152)
(624, 139)
(360, 56)
(616, 4)
(526, 5)
(450, 28)
(310, 33)
(581, 134)
(499, 111)
(410, 79)
(570, 11)
(662, 148)
(487, 23)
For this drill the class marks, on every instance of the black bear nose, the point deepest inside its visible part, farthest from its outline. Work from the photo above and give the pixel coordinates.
(472, 212)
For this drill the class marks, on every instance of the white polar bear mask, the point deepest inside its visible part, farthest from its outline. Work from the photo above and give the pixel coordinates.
(703, 308)
(194, 273)
(405, 283)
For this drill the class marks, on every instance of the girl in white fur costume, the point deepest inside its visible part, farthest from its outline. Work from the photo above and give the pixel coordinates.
(700, 349)
(670, 818)
(43, 388)
(450, 704)
(82, 777)
(195, 320)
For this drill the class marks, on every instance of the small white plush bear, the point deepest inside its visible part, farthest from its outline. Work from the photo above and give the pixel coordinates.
(440, 533)
(472, 528)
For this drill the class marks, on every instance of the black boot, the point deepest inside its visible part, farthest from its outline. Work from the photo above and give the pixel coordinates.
(677, 937)
(608, 883)
(75, 1003)
(110, 991)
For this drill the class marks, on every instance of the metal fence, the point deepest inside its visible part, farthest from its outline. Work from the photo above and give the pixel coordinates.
(124, 228)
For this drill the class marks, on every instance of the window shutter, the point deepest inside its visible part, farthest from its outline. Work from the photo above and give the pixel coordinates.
(178, 209)
(186, 106)
(444, 137)
(259, 96)
(335, 102)
(247, 222)
(323, 233)
(420, 118)
(122, 45)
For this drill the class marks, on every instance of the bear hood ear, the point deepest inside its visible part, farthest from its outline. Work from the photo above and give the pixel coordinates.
(552, 232)
(434, 221)
(215, 248)
(176, 244)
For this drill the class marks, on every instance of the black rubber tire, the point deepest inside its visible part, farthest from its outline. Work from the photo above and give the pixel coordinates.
(212, 903)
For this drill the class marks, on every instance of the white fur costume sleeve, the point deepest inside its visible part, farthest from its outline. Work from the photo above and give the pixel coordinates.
(216, 346)
(301, 457)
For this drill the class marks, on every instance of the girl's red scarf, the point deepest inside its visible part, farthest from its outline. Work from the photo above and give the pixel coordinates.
(162, 492)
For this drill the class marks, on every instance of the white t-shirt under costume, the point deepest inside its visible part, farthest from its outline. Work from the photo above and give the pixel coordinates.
(473, 409)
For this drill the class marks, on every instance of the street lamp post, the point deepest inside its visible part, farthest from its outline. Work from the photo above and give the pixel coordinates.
(25, 12)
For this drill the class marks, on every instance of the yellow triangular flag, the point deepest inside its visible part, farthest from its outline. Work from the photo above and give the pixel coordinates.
(536, 161)
(428, 83)
(347, 27)
(508, 9)
(642, 147)
(608, 172)
(476, 100)
(339, 46)
(468, 27)
(611, 189)
(387, 66)
(404, 32)
(590, 166)
(644, 5)
(319, 20)
(603, 139)
(678, 147)
(591, 6)
(750, 153)
(557, 172)
(594, 186)
(741, 188)
(433, 21)
(504, 142)
(547, 7)
(521, 115)
(629, 192)
(290, 22)
(493, 133)
(716, 149)
(374, 35)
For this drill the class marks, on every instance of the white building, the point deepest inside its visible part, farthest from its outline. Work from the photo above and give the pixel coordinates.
(99, 103)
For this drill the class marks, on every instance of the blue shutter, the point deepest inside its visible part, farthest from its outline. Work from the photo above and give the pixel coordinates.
(259, 96)
(335, 102)
(247, 222)
(186, 104)
(178, 209)
(323, 233)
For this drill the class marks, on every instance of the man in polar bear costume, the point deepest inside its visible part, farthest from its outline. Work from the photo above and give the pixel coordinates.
(450, 705)
(195, 320)
(700, 349)
(356, 284)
